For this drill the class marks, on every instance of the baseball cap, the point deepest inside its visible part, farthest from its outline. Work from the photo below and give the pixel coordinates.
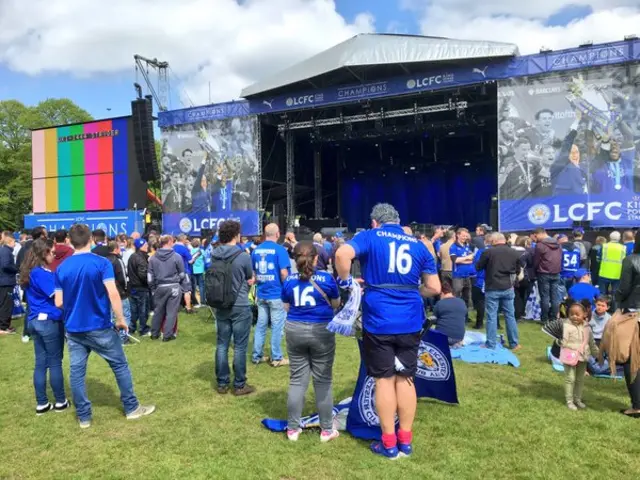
(139, 243)
(581, 272)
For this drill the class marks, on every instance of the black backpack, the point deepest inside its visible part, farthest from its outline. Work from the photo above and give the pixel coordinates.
(218, 282)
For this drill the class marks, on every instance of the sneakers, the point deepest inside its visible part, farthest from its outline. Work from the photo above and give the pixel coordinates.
(222, 389)
(246, 390)
(141, 411)
(170, 338)
(405, 449)
(26, 338)
(42, 409)
(579, 404)
(572, 406)
(391, 453)
(84, 424)
(328, 435)
(61, 407)
(293, 435)
(262, 360)
(280, 363)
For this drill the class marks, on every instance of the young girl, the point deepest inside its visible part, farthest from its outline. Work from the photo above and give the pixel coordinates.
(576, 335)
(45, 323)
(309, 297)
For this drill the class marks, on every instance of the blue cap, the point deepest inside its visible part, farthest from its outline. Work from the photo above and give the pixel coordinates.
(216, 239)
(579, 230)
(581, 272)
(139, 243)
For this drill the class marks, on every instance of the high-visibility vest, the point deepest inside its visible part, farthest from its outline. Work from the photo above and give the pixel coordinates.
(611, 264)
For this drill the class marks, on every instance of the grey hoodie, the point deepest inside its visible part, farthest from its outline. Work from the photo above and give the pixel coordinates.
(242, 271)
(167, 268)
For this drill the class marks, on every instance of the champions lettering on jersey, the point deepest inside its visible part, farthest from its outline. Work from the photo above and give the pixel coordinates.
(306, 304)
(392, 266)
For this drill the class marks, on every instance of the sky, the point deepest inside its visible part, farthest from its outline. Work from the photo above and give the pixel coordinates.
(64, 48)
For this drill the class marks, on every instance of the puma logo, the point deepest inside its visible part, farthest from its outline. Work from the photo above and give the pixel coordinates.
(481, 72)
(268, 103)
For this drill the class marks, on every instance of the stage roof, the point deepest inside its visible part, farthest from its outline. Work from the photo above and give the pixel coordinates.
(381, 49)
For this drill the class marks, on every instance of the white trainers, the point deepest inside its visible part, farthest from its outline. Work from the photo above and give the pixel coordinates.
(141, 411)
(86, 424)
(328, 435)
(572, 406)
(26, 338)
(293, 435)
(580, 404)
(42, 409)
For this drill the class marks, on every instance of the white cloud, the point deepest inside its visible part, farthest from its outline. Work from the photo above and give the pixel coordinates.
(226, 42)
(523, 22)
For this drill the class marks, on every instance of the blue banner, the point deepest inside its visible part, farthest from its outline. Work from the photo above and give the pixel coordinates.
(192, 223)
(487, 70)
(434, 378)
(113, 223)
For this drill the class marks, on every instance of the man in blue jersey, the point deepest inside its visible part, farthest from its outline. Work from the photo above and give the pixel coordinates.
(397, 270)
(272, 265)
(570, 263)
(461, 253)
(86, 291)
(629, 240)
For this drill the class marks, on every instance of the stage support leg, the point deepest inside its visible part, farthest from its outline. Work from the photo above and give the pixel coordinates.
(291, 179)
(339, 163)
(317, 182)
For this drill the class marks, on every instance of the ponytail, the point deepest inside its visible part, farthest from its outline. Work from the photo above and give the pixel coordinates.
(305, 255)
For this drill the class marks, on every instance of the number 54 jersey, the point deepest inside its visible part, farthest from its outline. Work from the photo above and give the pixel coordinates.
(392, 265)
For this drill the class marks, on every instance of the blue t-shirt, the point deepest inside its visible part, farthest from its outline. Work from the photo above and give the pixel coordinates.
(198, 264)
(584, 291)
(389, 257)
(184, 252)
(40, 292)
(479, 280)
(629, 247)
(206, 255)
(81, 279)
(268, 259)
(306, 304)
(462, 270)
(451, 317)
(570, 263)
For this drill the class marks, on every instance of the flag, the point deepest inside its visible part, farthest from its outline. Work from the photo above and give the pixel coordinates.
(18, 308)
(312, 421)
(434, 378)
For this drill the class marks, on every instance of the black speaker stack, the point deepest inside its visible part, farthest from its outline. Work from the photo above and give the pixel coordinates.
(142, 118)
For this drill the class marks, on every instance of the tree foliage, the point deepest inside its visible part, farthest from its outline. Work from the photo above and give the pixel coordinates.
(16, 122)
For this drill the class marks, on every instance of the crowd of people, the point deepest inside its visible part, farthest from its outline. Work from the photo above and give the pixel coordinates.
(98, 292)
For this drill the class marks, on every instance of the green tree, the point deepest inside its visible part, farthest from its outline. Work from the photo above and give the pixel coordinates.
(16, 122)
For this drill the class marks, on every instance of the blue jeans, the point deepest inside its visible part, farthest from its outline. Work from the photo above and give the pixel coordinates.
(48, 344)
(139, 301)
(494, 301)
(198, 281)
(275, 310)
(609, 287)
(234, 322)
(550, 290)
(126, 313)
(107, 344)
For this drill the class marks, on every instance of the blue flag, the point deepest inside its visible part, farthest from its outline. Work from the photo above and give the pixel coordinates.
(18, 309)
(435, 378)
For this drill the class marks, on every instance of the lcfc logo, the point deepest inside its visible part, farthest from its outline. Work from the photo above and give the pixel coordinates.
(289, 102)
(367, 403)
(432, 364)
(185, 225)
(539, 214)
(411, 83)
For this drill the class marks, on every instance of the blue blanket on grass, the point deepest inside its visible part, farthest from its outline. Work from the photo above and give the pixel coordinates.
(473, 352)
(593, 367)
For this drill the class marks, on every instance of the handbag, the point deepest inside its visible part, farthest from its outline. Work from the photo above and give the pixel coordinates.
(571, 357)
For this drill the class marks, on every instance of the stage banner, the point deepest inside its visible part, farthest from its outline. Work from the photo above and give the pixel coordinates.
(434, 378)
(113, 223)
(211, 173)
(567, 149)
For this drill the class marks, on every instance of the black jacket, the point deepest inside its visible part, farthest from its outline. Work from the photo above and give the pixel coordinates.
(501, 264)
(8, 268)
(23, 251)
(120, 274)
(628, 293)
(137, 268)
(102, 250)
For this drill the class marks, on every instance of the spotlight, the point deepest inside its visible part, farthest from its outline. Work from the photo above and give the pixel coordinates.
(412, 167)
(545, 50)
(630, 37)
(588, 43)
(467, 164)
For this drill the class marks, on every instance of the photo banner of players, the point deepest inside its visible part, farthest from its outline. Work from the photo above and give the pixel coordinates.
(567, 149)
(211, 173)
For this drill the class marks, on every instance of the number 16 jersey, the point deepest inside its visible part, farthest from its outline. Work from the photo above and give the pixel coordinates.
(392, 266)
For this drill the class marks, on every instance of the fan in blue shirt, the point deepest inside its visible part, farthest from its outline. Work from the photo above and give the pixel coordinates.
(459, 251)
(583, 290)
(271, 264)
(306, 303)
(181, 249)
(40, 293)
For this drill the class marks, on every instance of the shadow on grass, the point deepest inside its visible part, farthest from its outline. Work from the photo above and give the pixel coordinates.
(206, 372)
(102, 394)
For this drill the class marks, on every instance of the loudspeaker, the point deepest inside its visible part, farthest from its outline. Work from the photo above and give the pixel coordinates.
(142, 118)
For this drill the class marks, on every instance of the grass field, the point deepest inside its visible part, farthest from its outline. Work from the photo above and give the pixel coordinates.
(511, 423)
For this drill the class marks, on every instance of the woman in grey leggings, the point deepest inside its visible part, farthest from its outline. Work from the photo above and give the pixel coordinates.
(310, 297)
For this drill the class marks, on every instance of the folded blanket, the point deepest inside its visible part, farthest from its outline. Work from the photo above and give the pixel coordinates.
(473, 351)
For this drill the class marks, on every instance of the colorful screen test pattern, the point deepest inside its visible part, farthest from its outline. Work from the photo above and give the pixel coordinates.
(85, 167)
